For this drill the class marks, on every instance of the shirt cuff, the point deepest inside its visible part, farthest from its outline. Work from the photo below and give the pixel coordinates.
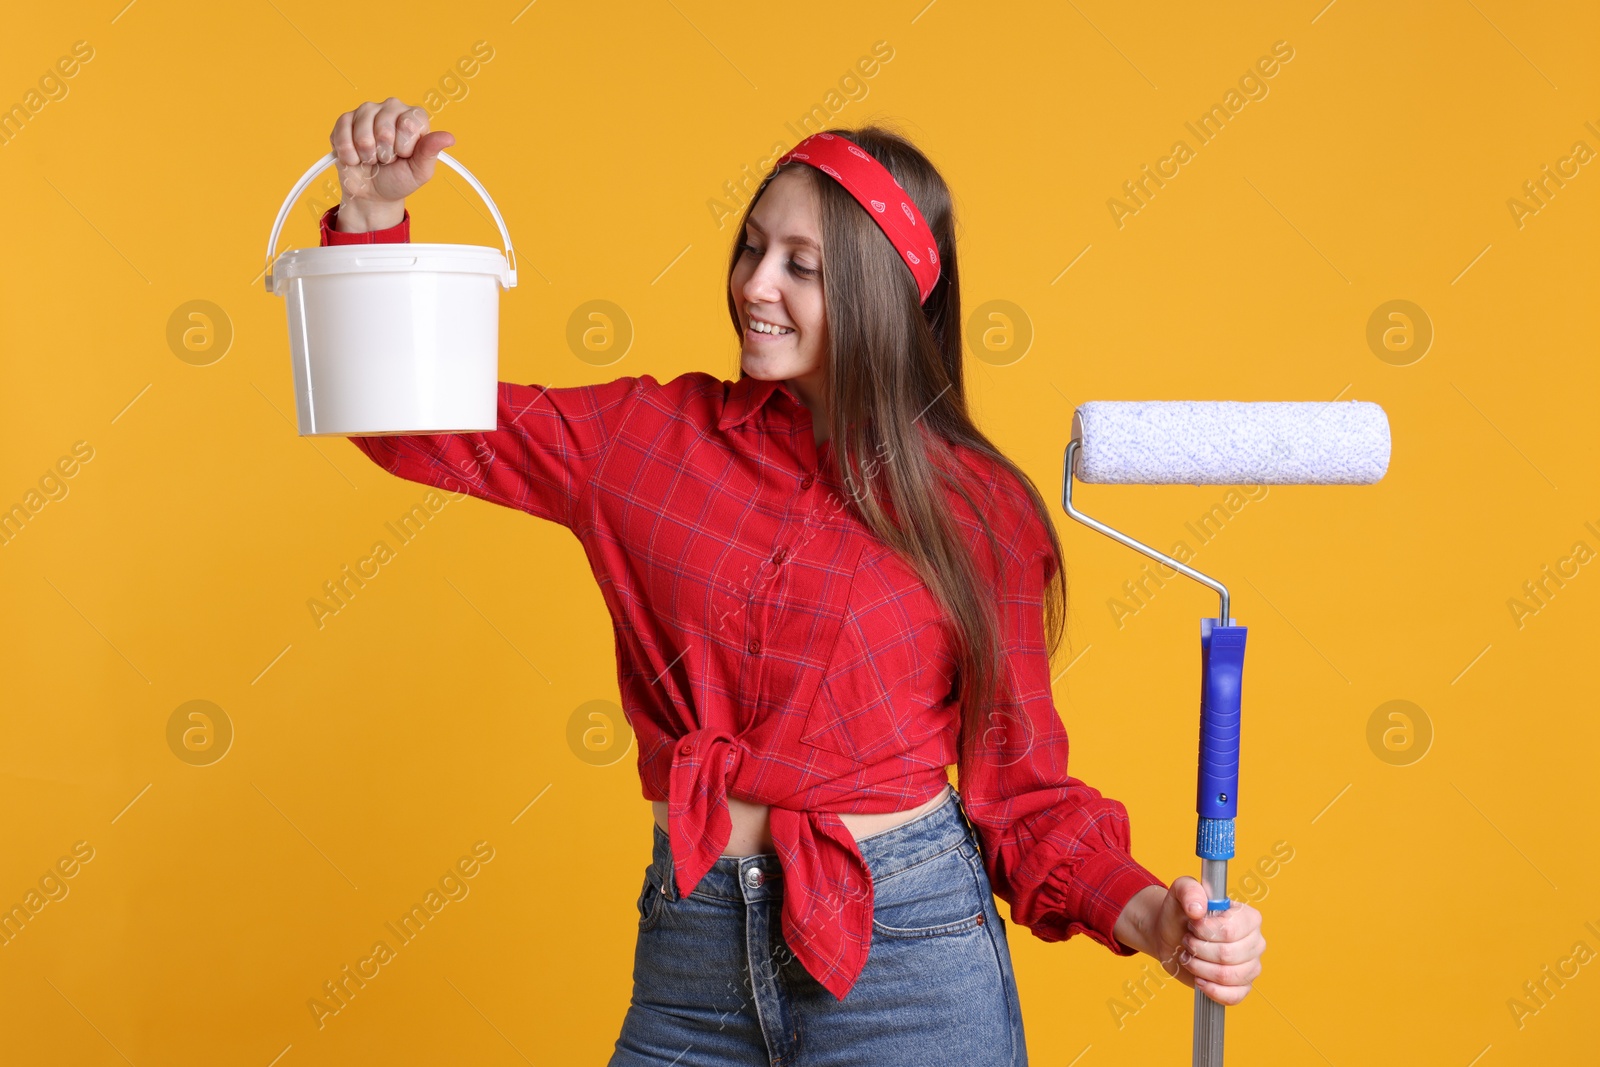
(399, 233)
(1095, 892)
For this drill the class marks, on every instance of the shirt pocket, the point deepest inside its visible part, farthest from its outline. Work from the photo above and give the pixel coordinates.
(881, 691)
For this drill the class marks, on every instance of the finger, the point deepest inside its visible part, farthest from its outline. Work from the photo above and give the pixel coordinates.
(427, 152)
(1238, 922)
(409, 126)
(383, 128)
(1191, 895)
(1226, 951)
(361, 131)
(1227, 996)
(1224, 974)
(344, 148)
(1178, 910)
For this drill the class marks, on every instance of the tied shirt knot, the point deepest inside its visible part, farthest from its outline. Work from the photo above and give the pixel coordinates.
(705, 762)
(827, 900)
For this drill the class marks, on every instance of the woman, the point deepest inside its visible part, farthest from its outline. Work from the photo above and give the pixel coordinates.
(827, 588)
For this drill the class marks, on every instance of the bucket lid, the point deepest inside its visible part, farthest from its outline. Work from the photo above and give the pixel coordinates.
(389, 258)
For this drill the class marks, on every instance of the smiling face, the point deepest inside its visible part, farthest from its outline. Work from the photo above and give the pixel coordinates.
(777, 279)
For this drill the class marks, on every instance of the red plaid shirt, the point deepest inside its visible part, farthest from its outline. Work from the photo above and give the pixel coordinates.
(770, 647)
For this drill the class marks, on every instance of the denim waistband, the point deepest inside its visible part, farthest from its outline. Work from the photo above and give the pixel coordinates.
(760, 877)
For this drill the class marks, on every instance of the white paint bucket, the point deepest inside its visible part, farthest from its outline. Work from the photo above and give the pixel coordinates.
(393, 338)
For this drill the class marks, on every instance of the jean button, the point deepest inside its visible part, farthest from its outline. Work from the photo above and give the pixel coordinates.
(753, 877)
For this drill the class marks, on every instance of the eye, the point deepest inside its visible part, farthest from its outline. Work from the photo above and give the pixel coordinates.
(805, 272)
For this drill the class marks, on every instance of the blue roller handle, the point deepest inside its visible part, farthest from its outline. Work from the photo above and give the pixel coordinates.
(1217, 794)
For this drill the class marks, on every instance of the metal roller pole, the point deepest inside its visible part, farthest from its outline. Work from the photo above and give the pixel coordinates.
(1208, 1014)
(1216, 791)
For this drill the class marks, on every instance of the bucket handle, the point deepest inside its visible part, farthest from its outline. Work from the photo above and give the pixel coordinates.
(328, 160)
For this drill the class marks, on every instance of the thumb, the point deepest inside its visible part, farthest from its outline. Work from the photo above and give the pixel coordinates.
(426, 153)
(1191, 897)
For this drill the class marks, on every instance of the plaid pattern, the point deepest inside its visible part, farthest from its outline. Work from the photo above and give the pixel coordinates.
(770, 647)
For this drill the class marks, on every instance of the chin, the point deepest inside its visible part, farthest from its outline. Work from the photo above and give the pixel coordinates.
(766, 367)
(778, 367)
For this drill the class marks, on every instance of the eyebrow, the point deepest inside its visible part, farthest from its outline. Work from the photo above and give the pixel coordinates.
(792, 238)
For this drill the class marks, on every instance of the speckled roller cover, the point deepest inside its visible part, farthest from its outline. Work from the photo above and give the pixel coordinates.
(1231, 442)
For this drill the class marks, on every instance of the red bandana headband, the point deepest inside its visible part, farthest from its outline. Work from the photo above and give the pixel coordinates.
(883, 198)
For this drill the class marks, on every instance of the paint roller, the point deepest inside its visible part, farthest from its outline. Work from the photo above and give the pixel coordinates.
(1220, 442)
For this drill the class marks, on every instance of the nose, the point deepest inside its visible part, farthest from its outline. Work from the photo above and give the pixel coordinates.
(762, 286)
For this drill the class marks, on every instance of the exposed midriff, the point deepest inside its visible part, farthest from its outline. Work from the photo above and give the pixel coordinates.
(751, 823)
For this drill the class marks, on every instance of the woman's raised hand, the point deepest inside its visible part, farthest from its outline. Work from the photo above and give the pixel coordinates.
(384, 153)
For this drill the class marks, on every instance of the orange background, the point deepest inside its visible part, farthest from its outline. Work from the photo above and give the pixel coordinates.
(1436, 860)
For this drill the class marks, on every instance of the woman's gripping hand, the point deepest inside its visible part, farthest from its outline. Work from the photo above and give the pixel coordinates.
(384, 152)
(1217, 952)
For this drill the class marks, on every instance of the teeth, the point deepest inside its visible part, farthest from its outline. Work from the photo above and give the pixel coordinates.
(763, 327)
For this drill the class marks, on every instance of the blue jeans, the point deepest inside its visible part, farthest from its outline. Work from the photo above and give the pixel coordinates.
(715, 984)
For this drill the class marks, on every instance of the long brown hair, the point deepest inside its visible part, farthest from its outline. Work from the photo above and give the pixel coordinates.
(894, 363)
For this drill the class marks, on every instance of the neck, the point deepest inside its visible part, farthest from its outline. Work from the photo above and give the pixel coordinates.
(810, 394)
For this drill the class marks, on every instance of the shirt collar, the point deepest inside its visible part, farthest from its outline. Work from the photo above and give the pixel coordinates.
(747, 394)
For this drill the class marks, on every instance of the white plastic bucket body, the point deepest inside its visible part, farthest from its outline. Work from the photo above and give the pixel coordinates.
(389, 339)
(393, 338)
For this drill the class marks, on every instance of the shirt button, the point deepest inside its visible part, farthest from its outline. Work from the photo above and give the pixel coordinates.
(686, 749)
(755, 647)
(805, 483)
(753, 877)
(780, 555)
